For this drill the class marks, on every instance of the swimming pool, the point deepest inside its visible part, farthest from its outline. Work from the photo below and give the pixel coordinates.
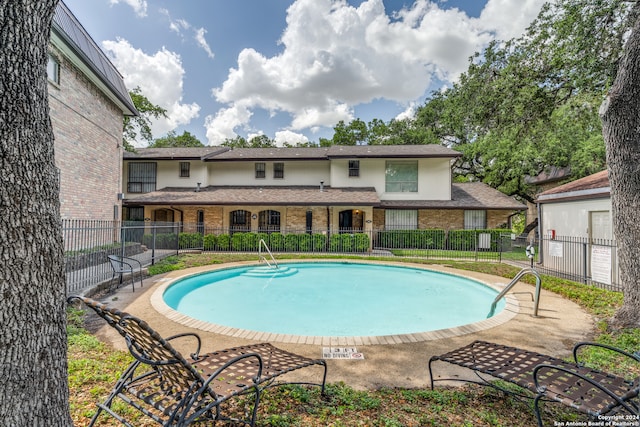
(329, 299)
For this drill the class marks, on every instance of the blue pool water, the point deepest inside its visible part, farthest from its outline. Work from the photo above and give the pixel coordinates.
(332, 299)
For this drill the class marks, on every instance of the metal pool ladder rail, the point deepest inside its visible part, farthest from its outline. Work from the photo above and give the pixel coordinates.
(264, 258)
(513, 283)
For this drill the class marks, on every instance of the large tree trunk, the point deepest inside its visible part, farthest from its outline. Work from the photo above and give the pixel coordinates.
(33, 345)
(621, 129)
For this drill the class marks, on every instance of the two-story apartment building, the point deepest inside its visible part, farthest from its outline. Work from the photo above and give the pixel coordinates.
(88, 101)
(338, 188)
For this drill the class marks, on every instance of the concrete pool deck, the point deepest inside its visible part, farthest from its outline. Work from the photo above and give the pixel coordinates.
(393, 361)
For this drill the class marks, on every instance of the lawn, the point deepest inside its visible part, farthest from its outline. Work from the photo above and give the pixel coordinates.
(94, 368)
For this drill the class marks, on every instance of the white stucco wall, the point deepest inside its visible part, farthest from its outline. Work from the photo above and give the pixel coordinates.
(168, 174)
(571, 218)
(304, 172)
(434, 178)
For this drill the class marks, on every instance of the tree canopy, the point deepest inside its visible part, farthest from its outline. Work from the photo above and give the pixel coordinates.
(173, 140)
(529, 104)
(140, 125)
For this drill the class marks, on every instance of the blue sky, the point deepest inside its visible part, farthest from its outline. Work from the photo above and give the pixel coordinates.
(292, 69)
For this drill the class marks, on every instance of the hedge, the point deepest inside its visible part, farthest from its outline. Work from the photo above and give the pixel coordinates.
(412, 239)
(162, 241)
(468, 240)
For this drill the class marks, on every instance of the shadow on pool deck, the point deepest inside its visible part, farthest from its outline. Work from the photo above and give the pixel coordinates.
(559, 325)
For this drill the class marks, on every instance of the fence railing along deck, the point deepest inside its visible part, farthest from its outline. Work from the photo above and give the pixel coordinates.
(88, 243)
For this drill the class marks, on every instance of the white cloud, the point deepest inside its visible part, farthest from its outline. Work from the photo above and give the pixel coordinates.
(179, 26)
(289, 137)
(139, 6)
(202, 42)
(336, 56)
(222, 125)
(160, 78)
(408, 113)
(509, 19)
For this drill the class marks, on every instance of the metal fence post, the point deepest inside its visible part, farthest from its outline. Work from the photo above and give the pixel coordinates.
(585, 270)
(153, 243)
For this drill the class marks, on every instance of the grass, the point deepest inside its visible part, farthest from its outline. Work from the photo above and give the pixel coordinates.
(94, 367)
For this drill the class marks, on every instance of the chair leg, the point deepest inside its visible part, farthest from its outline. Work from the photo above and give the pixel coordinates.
(113, 276)
(536, 408)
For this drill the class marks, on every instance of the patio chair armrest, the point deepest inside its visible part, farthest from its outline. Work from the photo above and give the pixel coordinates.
(577, 347)
(128, 261)
(196, 354)
(541, 388)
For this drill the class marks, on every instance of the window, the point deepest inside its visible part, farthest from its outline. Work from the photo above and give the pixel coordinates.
(401, 177)
(53, 70)
(185, 169)
(474, 220)
(396, 219)
(240, 220)
(278, 170)
(134, 213)
(309, 222)
(260, 170)
(354, 167)
(269, 221)
(201, 221)
(142, 177)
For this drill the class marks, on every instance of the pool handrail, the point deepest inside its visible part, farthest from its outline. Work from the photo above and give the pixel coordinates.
(264, 258)
(513, 283)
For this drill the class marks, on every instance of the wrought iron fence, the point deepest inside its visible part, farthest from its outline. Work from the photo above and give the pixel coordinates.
(590, 261)
(88, 243)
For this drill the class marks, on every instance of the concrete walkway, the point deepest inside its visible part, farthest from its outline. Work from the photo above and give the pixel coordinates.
(559, 325)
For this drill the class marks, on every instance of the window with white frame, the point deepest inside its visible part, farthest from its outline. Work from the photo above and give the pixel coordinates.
(401, 176)
(53, 70)
(475, 220)
(401, 219)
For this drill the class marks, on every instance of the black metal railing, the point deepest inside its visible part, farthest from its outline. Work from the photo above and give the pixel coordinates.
(87, 244)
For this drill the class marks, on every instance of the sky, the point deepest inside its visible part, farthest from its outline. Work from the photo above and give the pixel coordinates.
(291, 70)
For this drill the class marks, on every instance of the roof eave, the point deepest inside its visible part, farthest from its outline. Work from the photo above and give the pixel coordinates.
(63, 42)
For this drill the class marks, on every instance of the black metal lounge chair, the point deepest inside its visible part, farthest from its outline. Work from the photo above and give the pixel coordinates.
(587, 390)
(124, 265)
(176, 391)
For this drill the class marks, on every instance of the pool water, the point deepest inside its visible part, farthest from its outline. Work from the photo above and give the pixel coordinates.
(332, 299)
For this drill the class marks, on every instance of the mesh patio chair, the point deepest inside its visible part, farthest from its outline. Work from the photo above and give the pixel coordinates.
(177, 391)
(589, 391)
(123, 265)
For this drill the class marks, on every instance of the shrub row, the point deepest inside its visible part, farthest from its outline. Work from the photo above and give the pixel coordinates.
(291, 242)
(359, 242)
(464, 240)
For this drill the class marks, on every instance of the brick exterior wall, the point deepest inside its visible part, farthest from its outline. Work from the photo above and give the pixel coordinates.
(295, 218)
(88, 145)
(447, 219)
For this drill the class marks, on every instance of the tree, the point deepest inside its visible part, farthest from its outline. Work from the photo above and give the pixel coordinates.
(261, 141)
(141, 123)
(237, 142)
(33, 343)
(173, 140)
(620, 114)
(531, 103)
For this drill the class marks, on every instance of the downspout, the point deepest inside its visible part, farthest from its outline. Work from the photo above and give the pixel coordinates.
(181, 215)
(540, 253)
